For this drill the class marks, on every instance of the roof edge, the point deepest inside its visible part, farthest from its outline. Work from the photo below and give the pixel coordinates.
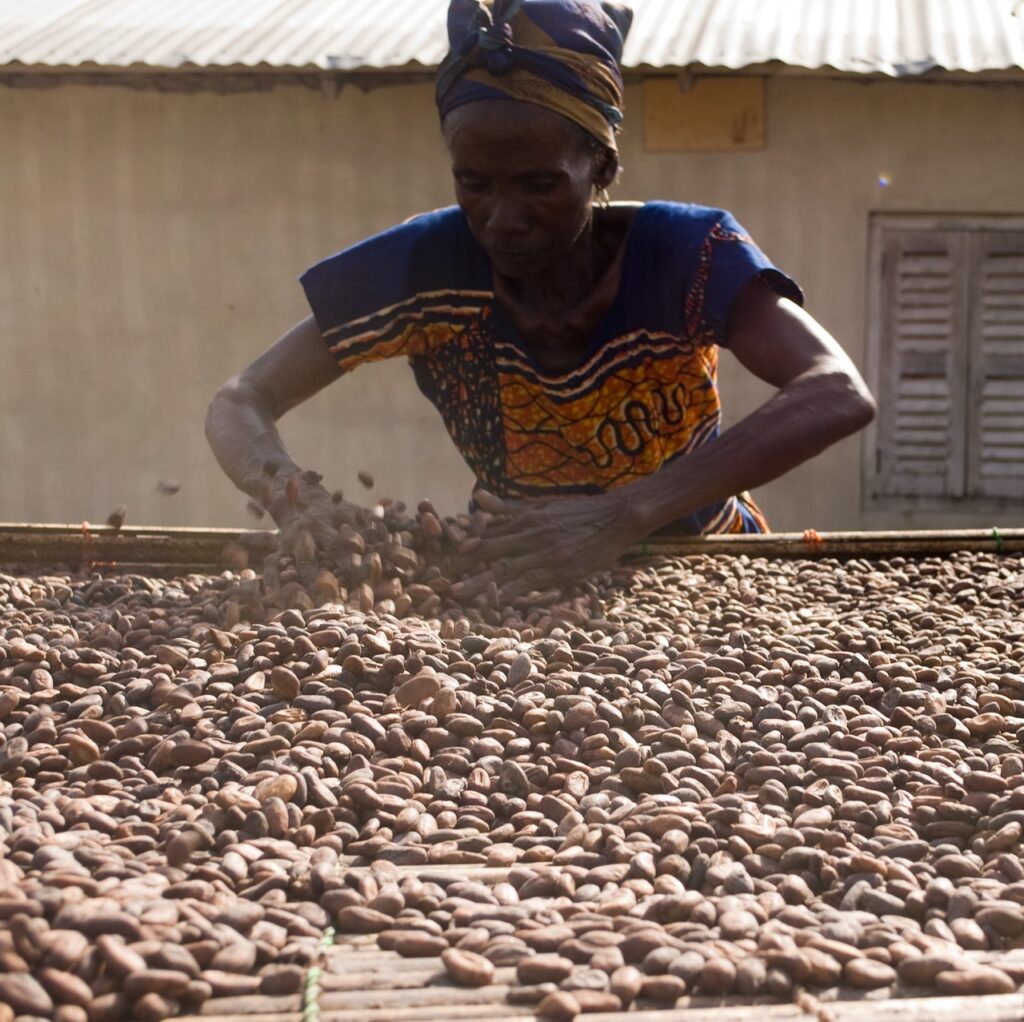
(416, 69)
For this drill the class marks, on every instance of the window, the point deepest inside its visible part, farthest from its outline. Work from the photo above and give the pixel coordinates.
(946, 355)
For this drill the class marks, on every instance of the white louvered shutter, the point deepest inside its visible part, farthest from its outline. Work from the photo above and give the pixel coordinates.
(996, 415)
(922, 415)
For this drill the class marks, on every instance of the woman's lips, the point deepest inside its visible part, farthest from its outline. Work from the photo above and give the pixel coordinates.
(504, 256)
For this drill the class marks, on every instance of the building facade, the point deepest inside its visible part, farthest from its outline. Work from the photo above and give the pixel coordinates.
(155, 221)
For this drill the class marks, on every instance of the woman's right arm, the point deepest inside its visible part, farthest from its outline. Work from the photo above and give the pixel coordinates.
(240, 423)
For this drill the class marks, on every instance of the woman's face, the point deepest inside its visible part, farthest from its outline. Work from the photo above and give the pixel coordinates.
(525, 178)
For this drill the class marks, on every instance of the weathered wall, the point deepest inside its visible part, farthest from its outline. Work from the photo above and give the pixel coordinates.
(151, 243)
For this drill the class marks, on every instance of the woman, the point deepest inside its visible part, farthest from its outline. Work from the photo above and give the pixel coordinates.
(570, 344)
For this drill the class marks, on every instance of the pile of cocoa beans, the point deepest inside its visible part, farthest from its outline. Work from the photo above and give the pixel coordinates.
(390, 562)
(689, 776)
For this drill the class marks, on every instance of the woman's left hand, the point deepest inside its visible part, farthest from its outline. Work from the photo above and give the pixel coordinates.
(538, 544)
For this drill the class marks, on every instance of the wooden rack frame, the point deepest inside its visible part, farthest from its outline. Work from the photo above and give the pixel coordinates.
(186, 549)
(355, 981)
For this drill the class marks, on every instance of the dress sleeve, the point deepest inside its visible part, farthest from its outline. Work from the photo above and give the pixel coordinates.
(395, 294)
(728, 258)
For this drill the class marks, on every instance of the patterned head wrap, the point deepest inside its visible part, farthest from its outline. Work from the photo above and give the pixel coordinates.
(560, 54)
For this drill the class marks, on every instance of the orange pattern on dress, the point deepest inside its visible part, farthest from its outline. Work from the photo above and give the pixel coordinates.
(640, 415)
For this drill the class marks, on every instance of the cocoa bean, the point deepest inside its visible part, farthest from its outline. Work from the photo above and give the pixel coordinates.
(559, 1006)
(867, 974)
(547, 968)
(974, 980)
(467, 968)
(24, 994)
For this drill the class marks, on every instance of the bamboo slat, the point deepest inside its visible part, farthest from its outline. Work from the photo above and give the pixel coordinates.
(251, 1008)
(178, 548)
(446, 994)
(730, 1009)
(980, 1008)
(251, 1005)
(394, 973)
(356, 976)
(202, 549)
(266, 1016)
(909, 543)
(445, 874)
(986, 1008)
(433, 1013)
(358, 940)
(991, 1008)
(454, 1004)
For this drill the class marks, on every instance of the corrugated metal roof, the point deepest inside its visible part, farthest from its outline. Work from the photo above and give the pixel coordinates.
(892, 37)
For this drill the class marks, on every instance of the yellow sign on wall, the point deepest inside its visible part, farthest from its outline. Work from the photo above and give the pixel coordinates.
(712, 114)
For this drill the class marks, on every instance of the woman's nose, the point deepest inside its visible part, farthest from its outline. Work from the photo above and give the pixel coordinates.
(507, 217)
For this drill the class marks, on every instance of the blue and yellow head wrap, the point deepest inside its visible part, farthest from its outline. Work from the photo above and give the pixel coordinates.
(560, 54)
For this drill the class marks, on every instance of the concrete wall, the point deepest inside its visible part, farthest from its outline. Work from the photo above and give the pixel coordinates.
(151, 241)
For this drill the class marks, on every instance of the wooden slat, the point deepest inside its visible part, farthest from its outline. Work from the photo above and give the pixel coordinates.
(395, 973)
(731, 1009)
(848, 544)
(989, 1008)
(447, 873)
(357, 940)
(994, 1008)
(255, 1004)
(432, 1013)
(181, 548)
(401, 976)
(272, 1016)
(442, 994)
(19, 546)
(985, 1008)
(1002, 393)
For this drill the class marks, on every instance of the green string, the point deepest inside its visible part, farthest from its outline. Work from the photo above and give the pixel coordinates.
(310, 1008)
(311, 995)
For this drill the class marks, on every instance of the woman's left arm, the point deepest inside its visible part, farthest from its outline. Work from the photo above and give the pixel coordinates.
(821, 399)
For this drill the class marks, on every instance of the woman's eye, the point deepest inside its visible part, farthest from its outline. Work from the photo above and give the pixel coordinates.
(540, 185)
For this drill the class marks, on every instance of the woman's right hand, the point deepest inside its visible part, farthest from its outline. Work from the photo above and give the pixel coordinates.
(309, 519)
(241, 428)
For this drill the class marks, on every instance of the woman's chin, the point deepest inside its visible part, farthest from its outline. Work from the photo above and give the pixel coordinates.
(519, 266)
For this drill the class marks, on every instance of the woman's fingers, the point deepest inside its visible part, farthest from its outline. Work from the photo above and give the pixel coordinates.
(528, 520)
(518, 537)
(306, 539)
(532, 580)
(507, 548)
(510, 545)
(308, 571)
(488, 502)
(271, 571)
(472, 586)
(303, 549)
(522, 566)
(497, 530)
(513, 576)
